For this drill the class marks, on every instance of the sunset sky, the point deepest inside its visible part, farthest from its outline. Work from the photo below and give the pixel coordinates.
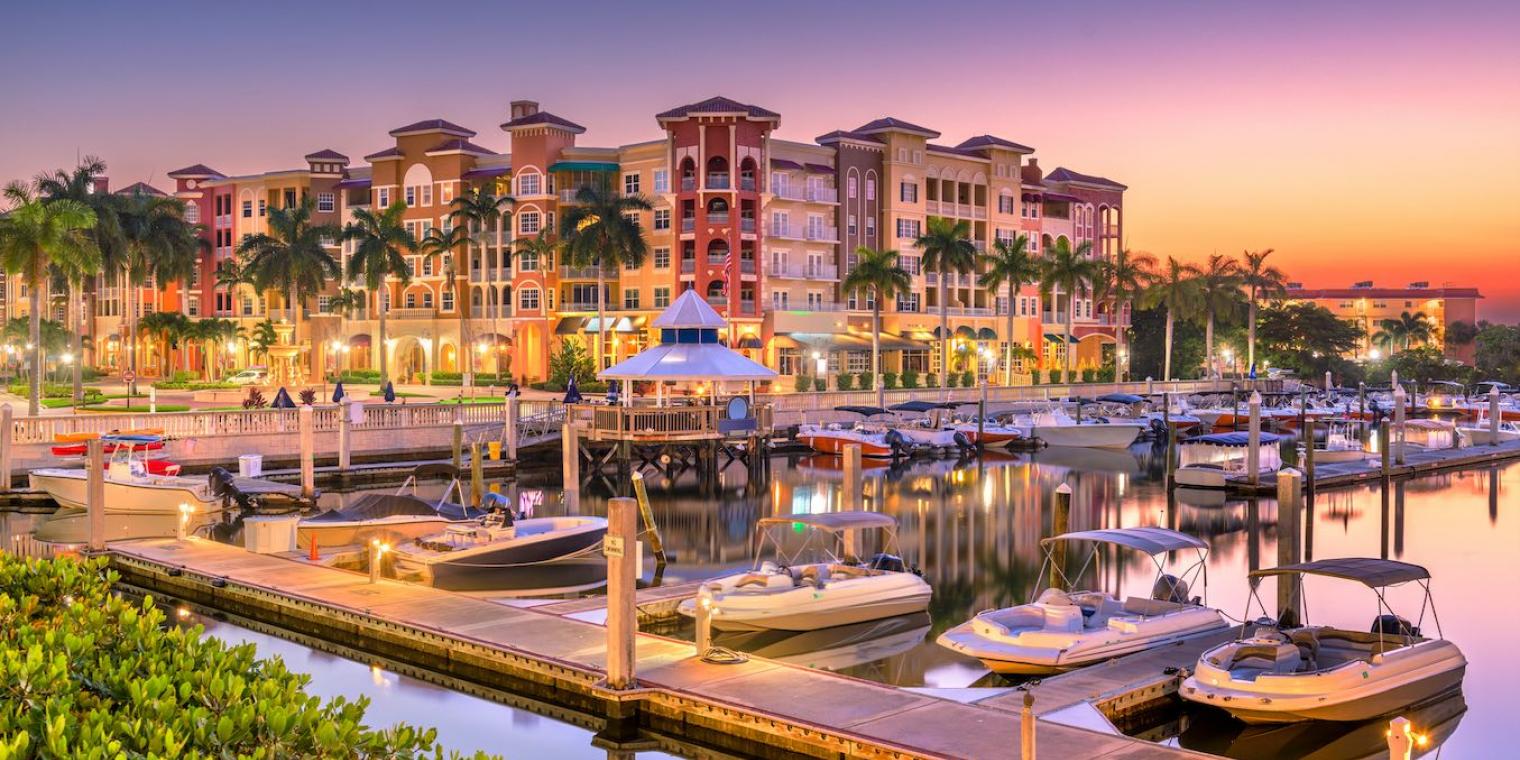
(1373, 140)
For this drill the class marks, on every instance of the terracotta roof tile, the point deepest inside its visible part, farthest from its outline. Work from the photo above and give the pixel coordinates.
(432, 125)
(544, 118)
(718, 105)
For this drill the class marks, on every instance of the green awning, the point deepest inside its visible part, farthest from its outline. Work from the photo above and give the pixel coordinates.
(1054, 338)
(986, 333)
(583, 166)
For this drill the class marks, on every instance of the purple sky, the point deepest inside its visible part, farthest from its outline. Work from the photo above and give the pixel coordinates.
(1369, 140)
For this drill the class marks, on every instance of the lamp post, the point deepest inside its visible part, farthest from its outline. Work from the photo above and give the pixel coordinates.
(1226, 355)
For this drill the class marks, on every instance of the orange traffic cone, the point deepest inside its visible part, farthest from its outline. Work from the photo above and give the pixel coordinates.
(314, 554)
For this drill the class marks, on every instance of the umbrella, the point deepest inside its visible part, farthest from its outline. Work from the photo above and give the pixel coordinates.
(1253, 370)
(282, 400)
(572, 392)
(614, 388)
(389, 392)
(338, 392)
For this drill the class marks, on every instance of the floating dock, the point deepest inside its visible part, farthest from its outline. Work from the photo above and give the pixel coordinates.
(1417, 461)
(758, 707)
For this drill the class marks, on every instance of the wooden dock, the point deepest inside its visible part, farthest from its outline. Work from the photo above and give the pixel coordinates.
(759, 707)
(1416, 462)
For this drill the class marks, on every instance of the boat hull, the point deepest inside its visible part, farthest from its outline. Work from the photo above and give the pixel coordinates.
(362, 532)
(808, 609)
(824, 443)
(158, 495)
(467, 563)
(1098, 436)
(1047, 653)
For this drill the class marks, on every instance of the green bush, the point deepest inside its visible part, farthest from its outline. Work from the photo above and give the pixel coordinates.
(89, 374)
(952, 380)
(931, 380)
(804, 383)
(595, 386)
(49, 390)
(183, 385)
(867, 381)
(844, 381)
(572, 358)
(889, 380)
(910, 378)
(821, 384)
(481, 378)
(968, 379)
(90, 674)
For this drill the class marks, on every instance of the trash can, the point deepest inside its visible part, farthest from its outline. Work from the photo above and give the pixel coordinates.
(493, 449)
(251, 465)
(270, 534)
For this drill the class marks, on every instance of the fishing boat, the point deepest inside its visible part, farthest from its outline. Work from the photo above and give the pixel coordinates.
(821, 584)
(1063, 628)
(393, 517)
(832, 438)
(927, 432)
(1286, 674)
(1343, 443)
(499, 541)
(110, 442)
(130, 487)
(1215, 459)
(1482, 433)
(1056, 428)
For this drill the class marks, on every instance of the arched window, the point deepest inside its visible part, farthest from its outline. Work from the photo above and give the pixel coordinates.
(717, 173)
(717, 210)
(747, 173)
(717, 252)
(715, 292)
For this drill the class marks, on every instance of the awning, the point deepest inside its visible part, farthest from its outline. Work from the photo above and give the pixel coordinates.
(750, 341)
(1149, 540)
(490, 171)
(353, 183)
(829, 341)
(986, 333)
(1053, 338)
(1372, 572)
(616, 324)
(570, 325)
(922, 335)
(781, 163)
(583, 166)
(818, 168)
(1062, 198)
(833, 521)
(890, 342)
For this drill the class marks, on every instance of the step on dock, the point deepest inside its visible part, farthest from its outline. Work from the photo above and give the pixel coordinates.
(758, 707)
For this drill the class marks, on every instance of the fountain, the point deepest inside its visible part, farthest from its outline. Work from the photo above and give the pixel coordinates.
(285, 366)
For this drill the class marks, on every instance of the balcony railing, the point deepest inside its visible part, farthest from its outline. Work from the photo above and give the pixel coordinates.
(717, 181)
(688, 184)
(822, 233)
(748, 308)
(717, 301)
(747, 266)
(425, 312)
(688, 266)
(793, 231)
(567, 196)
(802, 270)
(587, 273)
(746, 224)
(810, 194)
(586, 306)
(689, 224)
(720, 217)
(747, 183)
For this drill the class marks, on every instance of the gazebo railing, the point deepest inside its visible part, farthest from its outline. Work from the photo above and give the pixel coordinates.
(695, 422)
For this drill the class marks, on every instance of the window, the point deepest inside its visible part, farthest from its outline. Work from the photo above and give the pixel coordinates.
(326, 202)
(262, 204)
(631, 298)
(411, 300)
(631, 183)
(870, 189)
(662, 218)
(789, 361)
(778, 300)
(447, 300)
(662, 258)
(1005, 204)
(908, 229)
(902, 154)
(857, 361)
(427, 266)
(909, 192)
(324, 304)
(427, 195)
(411, 195)
(661, 297)
(814, 300)
(247, 209)
(528, 222)
(850, 185)
(290, 199)
(871, 226)
(912, 264)
(527, 299)
(446, 193)
(850, 225)
(662, 180)
(247, 306)
(528, 184)
(383, 197)
(527, 261)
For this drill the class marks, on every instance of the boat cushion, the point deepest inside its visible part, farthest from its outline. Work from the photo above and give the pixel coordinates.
(1067, 619)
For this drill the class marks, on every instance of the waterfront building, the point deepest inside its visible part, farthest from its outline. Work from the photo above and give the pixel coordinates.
(1366, 306)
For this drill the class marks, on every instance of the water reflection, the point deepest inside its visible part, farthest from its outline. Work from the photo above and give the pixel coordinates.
(974, 527)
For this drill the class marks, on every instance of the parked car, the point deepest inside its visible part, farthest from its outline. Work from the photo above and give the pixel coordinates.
(250, 376)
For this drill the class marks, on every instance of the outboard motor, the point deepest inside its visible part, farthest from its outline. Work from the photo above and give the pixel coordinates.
(1158, 430)
(1394, 625)
(1170, 588)
(963, 441)
(889, 562)
(898, 443)
(220, 481)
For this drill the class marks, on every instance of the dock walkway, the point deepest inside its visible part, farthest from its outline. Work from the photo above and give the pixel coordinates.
(759, 707)
(1417, 461)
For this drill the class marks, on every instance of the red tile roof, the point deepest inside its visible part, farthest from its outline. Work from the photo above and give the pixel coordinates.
(718, 105)
(141, 187)
(387, 153)
(1347, 293)
(544, 118)
(982, 142)
(889, 124)
(432, 125)
(844, 134)
(460, 145)
(326, 154)
(195, 171)
(1062, 174)
(489, 171)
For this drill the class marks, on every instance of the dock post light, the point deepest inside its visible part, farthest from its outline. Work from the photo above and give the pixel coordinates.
(183, 530)
(704, 624)
(377, 550)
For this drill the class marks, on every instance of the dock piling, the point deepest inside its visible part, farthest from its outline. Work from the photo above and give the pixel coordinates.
(95, 494)
(1309, 452)
(1493, 420)
(477, 475)
(1383, 445)
(1289, 505)
(1253, 438)
(1399, 398)
(458, 443)
(1400, 739)
(1171, 456)
(852, 469)
(7, 434)
(570, 459)
(1027, 727)
(704, 626)
(510, 427)
(1361, 408)
(345, 434)
(651, 529)
(622, 613)
(1060, 521)
(308, 452)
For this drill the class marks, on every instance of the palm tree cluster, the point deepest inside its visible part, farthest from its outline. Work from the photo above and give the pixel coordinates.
(1404, 331)
(601, 231)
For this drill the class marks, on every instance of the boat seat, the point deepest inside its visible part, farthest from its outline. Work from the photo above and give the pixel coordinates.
(1252, 660)
(1063, 618)
(849, 571)
(765, 580)
(1149, 607)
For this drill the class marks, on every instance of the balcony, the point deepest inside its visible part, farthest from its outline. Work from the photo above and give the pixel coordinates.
(720, 217)
(567, 196)
(426, 312)
(824, 233)
(979, 245)
(747, 225)
(931, 207)
(689, 224)
(688, 266)
(747, 184)
(587, 273)
(717, 302)
(688, 184)
(979, 212)
(802, 271)
(810, 194)
(748, 308)
(717, 181)
(747, 266)
(586, 306)
(790, 231)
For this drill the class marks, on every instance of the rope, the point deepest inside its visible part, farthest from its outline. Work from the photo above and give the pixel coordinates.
(724, 656)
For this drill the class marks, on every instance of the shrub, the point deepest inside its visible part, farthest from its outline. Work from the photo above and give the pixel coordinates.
(867, 381)
(910, 378)
(1089, 375)
(952, 380)
(821, 384)
(360, 376)
(308, 396)
(889, 380)
(572, 359)
(49, 390)
(86, 668)
(482, 379)
(968, 379)
(255, 399)
(931, 380)
(844, 381)
(804, 384)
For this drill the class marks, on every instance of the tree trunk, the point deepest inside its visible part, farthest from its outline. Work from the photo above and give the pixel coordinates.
(881, 392)
(1119, 353)
(466, 354)
(34, 403)
(380, 317)
(944, 341)
(1166, 362)
(75, 326)
(1013, 294)
(129, 305)
(1067, 355)
(1251, 332)
(1208, 346)
(601, 317)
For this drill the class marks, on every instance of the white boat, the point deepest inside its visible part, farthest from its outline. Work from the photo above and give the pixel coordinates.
(1056, 428)
(835, 649)
(1213, 460)
(1064, 628)
(1285, 675)
(791, 594)
(393, 517)
(1342, 444)
(1481, 433)
(462, 552)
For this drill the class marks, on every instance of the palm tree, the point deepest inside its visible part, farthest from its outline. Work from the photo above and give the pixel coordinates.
(1398, 334)
(600, 231)
(32, 234)
(1010, 264)
(155, 241)
(170, 328)
(1177, 288)
(480, 211)
(262, 337)
(947, 248)
(1218, 298)
(1123, 278)
(79, 185)
(879, 273)
(291, 257)
(541, 249)
(344, 303)
(379, 239)
(1261, 280)
(441, 243)
(1071, 271)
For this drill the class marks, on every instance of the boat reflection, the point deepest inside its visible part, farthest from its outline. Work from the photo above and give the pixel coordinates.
(844, 648)
(1433, 723)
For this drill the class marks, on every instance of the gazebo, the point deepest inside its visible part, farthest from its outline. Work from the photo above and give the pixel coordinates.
(688, 352)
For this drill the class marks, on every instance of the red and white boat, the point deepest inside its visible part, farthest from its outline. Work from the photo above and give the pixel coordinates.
(832, 438)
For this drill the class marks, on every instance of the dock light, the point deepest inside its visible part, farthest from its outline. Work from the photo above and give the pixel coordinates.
(29, 346)
(67, 358)
(182, 612)
(377, 549)
(1374, 354)
(184, 520)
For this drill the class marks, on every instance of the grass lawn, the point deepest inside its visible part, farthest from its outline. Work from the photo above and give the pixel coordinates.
(468, 400)
(404, 394)
(61, 403)
(136, 409)
(117, 396)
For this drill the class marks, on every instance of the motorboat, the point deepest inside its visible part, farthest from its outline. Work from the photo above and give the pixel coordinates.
(498, 541)
(1429, 434)
(1056, 428)
(391, 517)
(1482, 433)
(1063, 628)
(832, 438)
(1215, 459)
(821, 584)
(1433, 723)
(1343, 443)
(928, 432)
(110, 443)
(1280, 673)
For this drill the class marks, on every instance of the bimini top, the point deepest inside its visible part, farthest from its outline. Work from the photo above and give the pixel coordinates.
(864, 411)
(920, 406)
(1120, 398)
(1149, 540)
(1233, 439)
(833, 521)
(1375, 573)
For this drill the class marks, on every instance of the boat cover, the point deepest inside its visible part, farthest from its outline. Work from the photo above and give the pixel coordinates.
(1369, 571)
(1233, 439)
(1120, 398)
(375, 506)
(1148, 540)
(920, 406)
(835, 521)
(865, 411)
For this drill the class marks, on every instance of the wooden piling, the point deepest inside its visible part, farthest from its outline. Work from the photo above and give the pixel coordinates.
(852, 467)
(1399, 399)
(1289, 505)
(345, 434)
(308, 451)
(1060, 522)
(651, 529)
(477, 475)
(1253, 438)
(1171, 456)
(1383, 445)
(622, 613)
(458, 444)
(1493, 419)
(7, 439)
(1027, 728)
(510, 425)
(570, 460)
(1309, 452)
(95, 494)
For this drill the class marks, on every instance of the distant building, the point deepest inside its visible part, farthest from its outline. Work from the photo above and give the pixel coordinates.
(1366, 306)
